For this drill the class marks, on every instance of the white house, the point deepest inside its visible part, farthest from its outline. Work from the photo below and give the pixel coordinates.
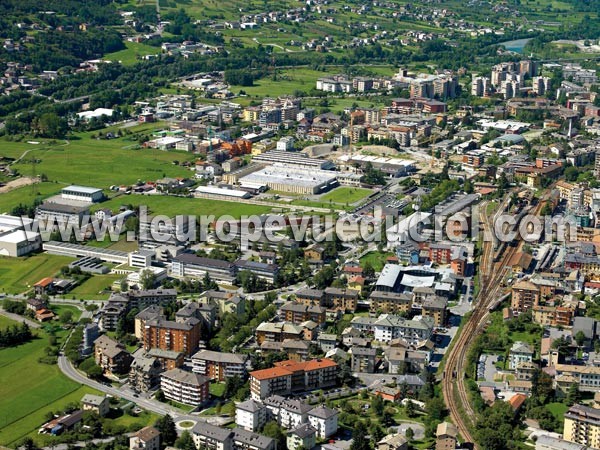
(250, 415)
(324, 420)
(520, 352)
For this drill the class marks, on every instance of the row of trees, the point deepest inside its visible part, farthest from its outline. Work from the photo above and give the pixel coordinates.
(15, 335)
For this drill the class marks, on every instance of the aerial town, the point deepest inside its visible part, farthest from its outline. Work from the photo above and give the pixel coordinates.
(364, 225)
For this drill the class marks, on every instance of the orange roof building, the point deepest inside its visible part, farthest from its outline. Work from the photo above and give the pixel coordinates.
(291, 376)
(517, 401)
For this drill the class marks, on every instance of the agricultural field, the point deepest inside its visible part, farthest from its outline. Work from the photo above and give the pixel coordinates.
(19, 274)
(132, 53)
(30, 389)
(26, 195)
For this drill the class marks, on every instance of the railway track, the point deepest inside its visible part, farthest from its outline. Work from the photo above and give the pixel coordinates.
(454, 385)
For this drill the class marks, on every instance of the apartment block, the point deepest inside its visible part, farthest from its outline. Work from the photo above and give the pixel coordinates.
(185, 387)
(219, 366)
(293, 376)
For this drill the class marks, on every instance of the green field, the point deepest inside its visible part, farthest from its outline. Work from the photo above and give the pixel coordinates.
(29, 389)
(171, 206)
(100, 163)
(19, 274)
(346, 195)
(132, 53)
(93, 287)
(27, 195)
(376, 259)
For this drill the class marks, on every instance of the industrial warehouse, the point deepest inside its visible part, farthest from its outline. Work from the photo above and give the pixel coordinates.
(281, 177)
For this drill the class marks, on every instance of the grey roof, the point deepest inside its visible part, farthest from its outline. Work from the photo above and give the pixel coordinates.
(91, 399)
(303, 430)
(363, 351)
(323, 412)
(153, 293)
(389, 275)
(248, 438)
(521, 347)
(552, 443)
(161, 322)
(150, 312)
(435, 302)
(327, 337)
(296, 406)
(250, 406)
(110, 347)
(309, 293)
(212, 431)
(189, 258)
(230, 358)
(183, 376)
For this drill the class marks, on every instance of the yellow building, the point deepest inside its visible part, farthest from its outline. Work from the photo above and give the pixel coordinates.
(582, 425)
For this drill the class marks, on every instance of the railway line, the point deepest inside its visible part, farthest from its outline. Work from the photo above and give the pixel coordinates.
(493, 268)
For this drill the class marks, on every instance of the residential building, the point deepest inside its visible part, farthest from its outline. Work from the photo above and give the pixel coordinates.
(292, 376)
(310, 297)
(165, 334)
(388, 327)
(446, 436)
(341, 299)
(151, 312)
(145, 371)
(148, 438)
(436, 308)
(301, 437)
(382, 302)
(219, 366)
(212, 437)
(96, 403)
(250, 415)
(393, 442)
(324, 420)
(545, 442)
(363, 359)
(184, 387)
(111, 356)
(277, 332)
(297, 313)
(582, 426)
(327, 341)
(226, 302)
(519, 353)
(524, 296)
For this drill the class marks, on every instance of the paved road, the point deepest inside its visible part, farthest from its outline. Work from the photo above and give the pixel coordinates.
(81, 444)
(151, 405)
(19, 318)
(145, 403)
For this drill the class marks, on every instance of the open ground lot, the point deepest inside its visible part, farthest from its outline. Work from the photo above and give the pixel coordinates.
(171, 206)
(94, 287)
(19, 274)
(345, 195)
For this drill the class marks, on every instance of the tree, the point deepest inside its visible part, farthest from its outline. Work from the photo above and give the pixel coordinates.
(377, 405)
(168, 431)
(580, 338)
(147, 279)
(359, 437)
(573, 394)
(185, 441)
(159, 396)
(28, 444)
(273, 430)
(66, 317)
(410, 409)
(368, 270)
(409, 433)
(436, 409)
